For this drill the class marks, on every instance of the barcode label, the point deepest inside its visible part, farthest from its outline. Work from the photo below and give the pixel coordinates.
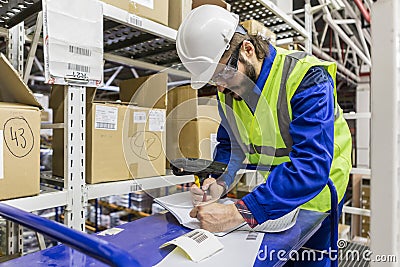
(106, 118)
(136, 187)
(252, 236)
(80, 68)
(157, 120)
(199, 237)
(108, 126)
(139, 117)
(79, 50)
(135, 20)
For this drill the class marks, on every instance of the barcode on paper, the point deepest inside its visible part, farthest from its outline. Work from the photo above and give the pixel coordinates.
(80, 68)
(106, 118)
(252, 236)
(139, 117)
(197, 236)
(135, 20)
(79, 50)
(108, 126)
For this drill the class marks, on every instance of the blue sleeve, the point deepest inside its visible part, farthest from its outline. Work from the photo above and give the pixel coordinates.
(228, 150)
(294, 183)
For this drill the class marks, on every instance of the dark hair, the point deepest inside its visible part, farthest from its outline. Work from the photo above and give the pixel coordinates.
(260, 43)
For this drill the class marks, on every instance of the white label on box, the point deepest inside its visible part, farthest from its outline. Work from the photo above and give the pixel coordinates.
(135, 20)
(157, 120)
(139, 117)
(106, 118)
(73, 40)
(1, 155)
(213, 143)
(146, 3)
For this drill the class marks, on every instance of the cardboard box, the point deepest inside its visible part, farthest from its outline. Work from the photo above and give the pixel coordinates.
(289, 46)
(148, 91)
(208, 122)
(182, 138)
(221, 3)
(156, 10)
(20, 135)
(182, 103)
(179, 9)
(122, 141)
(193, 138)
(152, 92)
(255, 27)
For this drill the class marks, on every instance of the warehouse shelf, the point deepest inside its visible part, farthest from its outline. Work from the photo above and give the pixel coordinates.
(131, 36)
(358, 115)
(12, 12)
(139, 23)
(125, 187)
(362, 171)
(48, 198)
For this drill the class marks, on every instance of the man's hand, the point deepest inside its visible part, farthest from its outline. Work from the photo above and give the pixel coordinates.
(217, 217)
(212, 189)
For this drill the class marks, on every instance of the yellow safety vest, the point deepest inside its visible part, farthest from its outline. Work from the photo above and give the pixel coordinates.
(265, 134)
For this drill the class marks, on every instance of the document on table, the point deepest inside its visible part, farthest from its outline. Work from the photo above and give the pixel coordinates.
(180, 205)
(240, 249)
(198, 244)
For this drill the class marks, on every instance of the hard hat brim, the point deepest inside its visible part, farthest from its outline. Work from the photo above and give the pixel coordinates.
(199, 81)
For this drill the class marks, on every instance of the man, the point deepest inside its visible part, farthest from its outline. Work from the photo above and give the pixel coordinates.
(290, 121)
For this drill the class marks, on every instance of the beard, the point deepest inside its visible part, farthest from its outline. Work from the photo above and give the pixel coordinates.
(249, 81)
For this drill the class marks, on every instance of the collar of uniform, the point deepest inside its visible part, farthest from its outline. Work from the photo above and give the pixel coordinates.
(265, 70)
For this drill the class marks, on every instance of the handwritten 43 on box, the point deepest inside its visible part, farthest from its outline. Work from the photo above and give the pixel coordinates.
(20, 136)
(123, 141)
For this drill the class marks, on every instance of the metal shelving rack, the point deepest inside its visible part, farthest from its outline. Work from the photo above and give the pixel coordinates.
(136, 42)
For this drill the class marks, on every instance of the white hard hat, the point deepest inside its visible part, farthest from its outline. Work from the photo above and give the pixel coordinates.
(202, 39)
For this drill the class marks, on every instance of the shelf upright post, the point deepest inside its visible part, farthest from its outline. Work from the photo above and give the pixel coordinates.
(308, 26)
(76, 63)
(15, 54)
(15, 47)
(74, 154)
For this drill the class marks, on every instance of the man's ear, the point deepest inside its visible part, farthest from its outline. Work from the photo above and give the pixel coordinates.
(248, 48)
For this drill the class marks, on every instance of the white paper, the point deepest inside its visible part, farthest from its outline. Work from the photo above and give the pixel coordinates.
(111, 231)
(146, 3)
(239, 250)
(139, 117)
(73, 40)
(106, 118)
(273, 226)
(198, 244)
(180, 205)
(1, 155)
(213, 144)
(157, 120)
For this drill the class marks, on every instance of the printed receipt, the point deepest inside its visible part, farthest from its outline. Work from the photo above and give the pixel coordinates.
(198, 244)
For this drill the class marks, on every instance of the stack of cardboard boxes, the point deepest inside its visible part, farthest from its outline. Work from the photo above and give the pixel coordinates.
(123, 141)
(191, 123)
(19, 136)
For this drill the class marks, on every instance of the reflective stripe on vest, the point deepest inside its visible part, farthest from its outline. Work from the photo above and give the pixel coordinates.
(283, 114)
